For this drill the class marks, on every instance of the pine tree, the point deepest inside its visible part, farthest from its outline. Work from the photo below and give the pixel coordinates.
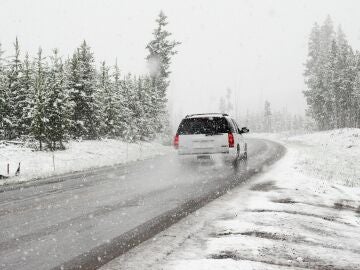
(344, 87)
(331, 78)
(129, 94)
(15, 97)
(148, 104)
(82, 83)
(28, 95)
(138, 109)
(121, 104)
(319, 75)
(145, 119)
(161, 50)
(356, 93)
(327, 35)
(157, 117)
(333, 97)
(39, 120)
(108, 100)
(57, 104)
(312, 72)
(3, 96)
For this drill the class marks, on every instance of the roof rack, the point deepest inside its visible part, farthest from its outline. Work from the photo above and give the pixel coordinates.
(190, 115)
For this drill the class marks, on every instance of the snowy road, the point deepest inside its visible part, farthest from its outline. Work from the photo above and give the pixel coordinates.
(89, 220)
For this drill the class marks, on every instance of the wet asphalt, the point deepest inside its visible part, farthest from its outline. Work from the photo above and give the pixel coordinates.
(83, 220)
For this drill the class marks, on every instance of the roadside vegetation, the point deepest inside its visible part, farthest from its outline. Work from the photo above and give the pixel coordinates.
(333, 78)
(52, 99)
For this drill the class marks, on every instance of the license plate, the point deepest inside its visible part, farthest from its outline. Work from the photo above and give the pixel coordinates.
(203, 144)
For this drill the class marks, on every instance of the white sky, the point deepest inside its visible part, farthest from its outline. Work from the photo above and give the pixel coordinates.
(256, 48)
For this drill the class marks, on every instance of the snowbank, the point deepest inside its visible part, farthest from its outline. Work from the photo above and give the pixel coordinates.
(330, 155)
(343, 138)
(78, 156)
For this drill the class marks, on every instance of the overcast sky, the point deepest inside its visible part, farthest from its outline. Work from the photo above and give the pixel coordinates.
(255, 48)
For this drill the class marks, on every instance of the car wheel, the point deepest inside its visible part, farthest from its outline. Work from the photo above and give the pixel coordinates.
(245, 156)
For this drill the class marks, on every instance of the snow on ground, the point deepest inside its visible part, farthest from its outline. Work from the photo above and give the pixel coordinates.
(303, 213)
(78, 156)
(332, 155)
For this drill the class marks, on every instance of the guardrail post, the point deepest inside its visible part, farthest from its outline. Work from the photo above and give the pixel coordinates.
(127, 151)
(8, 168)
(140, 150)
(53, 160)
(18, 170)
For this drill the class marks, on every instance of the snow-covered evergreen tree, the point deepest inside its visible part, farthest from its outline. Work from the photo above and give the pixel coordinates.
(312, 93)
(149, 104)
(57, 106)
(356, 93)
(330, 73)
(108, 102)
(161, 49)
(129, 94)
(344, 81)
(123, 112)
(15, 96)
(27, 70)
(3, 95)
(139, 109)
(38, 118)
(82, 85)
(324, 101)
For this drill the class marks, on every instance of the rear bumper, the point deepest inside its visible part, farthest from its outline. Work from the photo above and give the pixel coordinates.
(229, 154)
(206, 151)
(202, 153)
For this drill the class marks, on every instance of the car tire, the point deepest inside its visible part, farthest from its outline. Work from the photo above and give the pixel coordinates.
(245, 155)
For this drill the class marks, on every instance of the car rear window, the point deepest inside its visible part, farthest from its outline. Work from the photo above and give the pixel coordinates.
(203, 125)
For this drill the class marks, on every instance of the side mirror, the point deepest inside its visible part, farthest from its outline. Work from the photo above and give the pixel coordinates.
(244, 130)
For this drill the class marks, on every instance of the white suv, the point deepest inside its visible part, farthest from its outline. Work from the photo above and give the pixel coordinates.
(211, 134)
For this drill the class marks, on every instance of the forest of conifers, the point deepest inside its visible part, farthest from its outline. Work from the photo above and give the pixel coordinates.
(51, 99)
(333, 78)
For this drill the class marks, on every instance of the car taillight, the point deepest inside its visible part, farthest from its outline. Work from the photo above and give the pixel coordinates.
(176, 141)
(231, 140)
